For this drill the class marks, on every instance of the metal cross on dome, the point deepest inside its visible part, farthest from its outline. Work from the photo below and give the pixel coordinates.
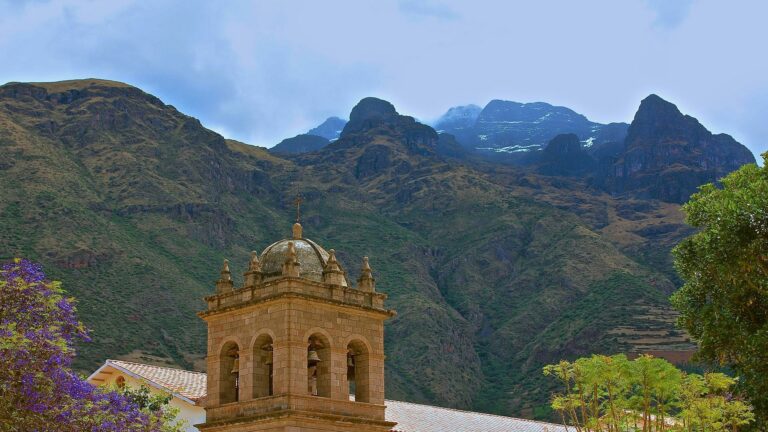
(298, 202)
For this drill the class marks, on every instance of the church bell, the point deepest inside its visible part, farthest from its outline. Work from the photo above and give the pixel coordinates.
(269, 358)
(236, 366)
(312, 357)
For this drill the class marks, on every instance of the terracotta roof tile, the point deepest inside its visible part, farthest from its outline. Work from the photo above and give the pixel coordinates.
(191, 385)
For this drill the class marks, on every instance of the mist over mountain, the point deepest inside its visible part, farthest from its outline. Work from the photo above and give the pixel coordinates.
(458, 119)
(494, 268)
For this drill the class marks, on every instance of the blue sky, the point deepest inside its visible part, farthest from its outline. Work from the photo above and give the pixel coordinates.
(260, 71)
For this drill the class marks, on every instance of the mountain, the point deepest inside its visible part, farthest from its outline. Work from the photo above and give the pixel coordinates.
(330, 129)
(667, 155)
(300, 144)
(564, 156)
(313, 140)
(494, 270)
(458, 119)
(516, 130)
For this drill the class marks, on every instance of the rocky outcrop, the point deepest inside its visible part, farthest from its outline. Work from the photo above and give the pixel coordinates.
(369, 113)
(668, 155)
(564, 156)
(372, 118)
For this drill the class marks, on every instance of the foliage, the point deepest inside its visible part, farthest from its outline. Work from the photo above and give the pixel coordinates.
(38, 390)
(612, 393)
(156, 405)
(724, 302)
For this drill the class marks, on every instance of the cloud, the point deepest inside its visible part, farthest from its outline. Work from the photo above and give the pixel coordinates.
(670, 13)
(263, 71)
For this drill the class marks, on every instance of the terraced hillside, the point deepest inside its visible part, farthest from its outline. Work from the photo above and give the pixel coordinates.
(494, 271)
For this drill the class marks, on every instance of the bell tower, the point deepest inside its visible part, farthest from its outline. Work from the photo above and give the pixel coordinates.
(296, 348)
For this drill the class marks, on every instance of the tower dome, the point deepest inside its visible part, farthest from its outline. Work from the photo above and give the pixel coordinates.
(311, 257)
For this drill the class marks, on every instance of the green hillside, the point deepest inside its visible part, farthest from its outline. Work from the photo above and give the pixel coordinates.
(494, 271)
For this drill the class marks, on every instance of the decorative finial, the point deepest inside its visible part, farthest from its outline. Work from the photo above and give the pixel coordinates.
(225, 273)
(332, 273)
(254, 265)
(291, 251)
(366, 282)
(253, 275)
(291, 264)
(224, 284)
(332, 256)
(297, 231)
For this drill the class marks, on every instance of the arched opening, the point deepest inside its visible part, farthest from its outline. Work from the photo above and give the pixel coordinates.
(358, 371)
(262, 366)
(319, 366)
(229, 373)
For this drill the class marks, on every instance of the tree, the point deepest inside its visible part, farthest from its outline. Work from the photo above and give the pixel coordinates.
(156, 405)
(38, 389)
(724, 301)
(612, 393)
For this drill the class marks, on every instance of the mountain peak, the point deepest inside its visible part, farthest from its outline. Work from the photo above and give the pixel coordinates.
(371, 107)
(330, 129)
(668, 154)
(458, 117)
(369, 112)
(654, 106)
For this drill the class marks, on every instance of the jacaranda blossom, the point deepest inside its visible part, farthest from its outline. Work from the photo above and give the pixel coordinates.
(38, 389)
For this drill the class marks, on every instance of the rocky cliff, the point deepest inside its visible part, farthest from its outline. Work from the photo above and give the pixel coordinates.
(564, 156)
(667, 155)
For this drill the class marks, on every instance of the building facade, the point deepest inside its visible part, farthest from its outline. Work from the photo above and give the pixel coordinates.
(297, 347)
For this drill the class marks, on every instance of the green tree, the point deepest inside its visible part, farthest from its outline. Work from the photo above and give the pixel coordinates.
(157, 407)
(613, 394)
(724, 301)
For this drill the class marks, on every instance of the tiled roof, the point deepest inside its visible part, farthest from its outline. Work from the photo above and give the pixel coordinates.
(410, 417)
(191, 385)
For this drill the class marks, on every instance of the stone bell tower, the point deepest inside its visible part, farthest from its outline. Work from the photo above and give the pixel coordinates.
(296, 348)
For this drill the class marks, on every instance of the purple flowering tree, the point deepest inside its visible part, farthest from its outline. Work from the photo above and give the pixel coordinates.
(38, 389)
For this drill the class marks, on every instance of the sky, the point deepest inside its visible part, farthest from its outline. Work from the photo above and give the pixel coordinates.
(260, 71)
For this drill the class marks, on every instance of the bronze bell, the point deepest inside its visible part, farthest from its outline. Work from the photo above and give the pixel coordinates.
(269, 358)
(312, 357)
(236, 366)
(350, 360)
